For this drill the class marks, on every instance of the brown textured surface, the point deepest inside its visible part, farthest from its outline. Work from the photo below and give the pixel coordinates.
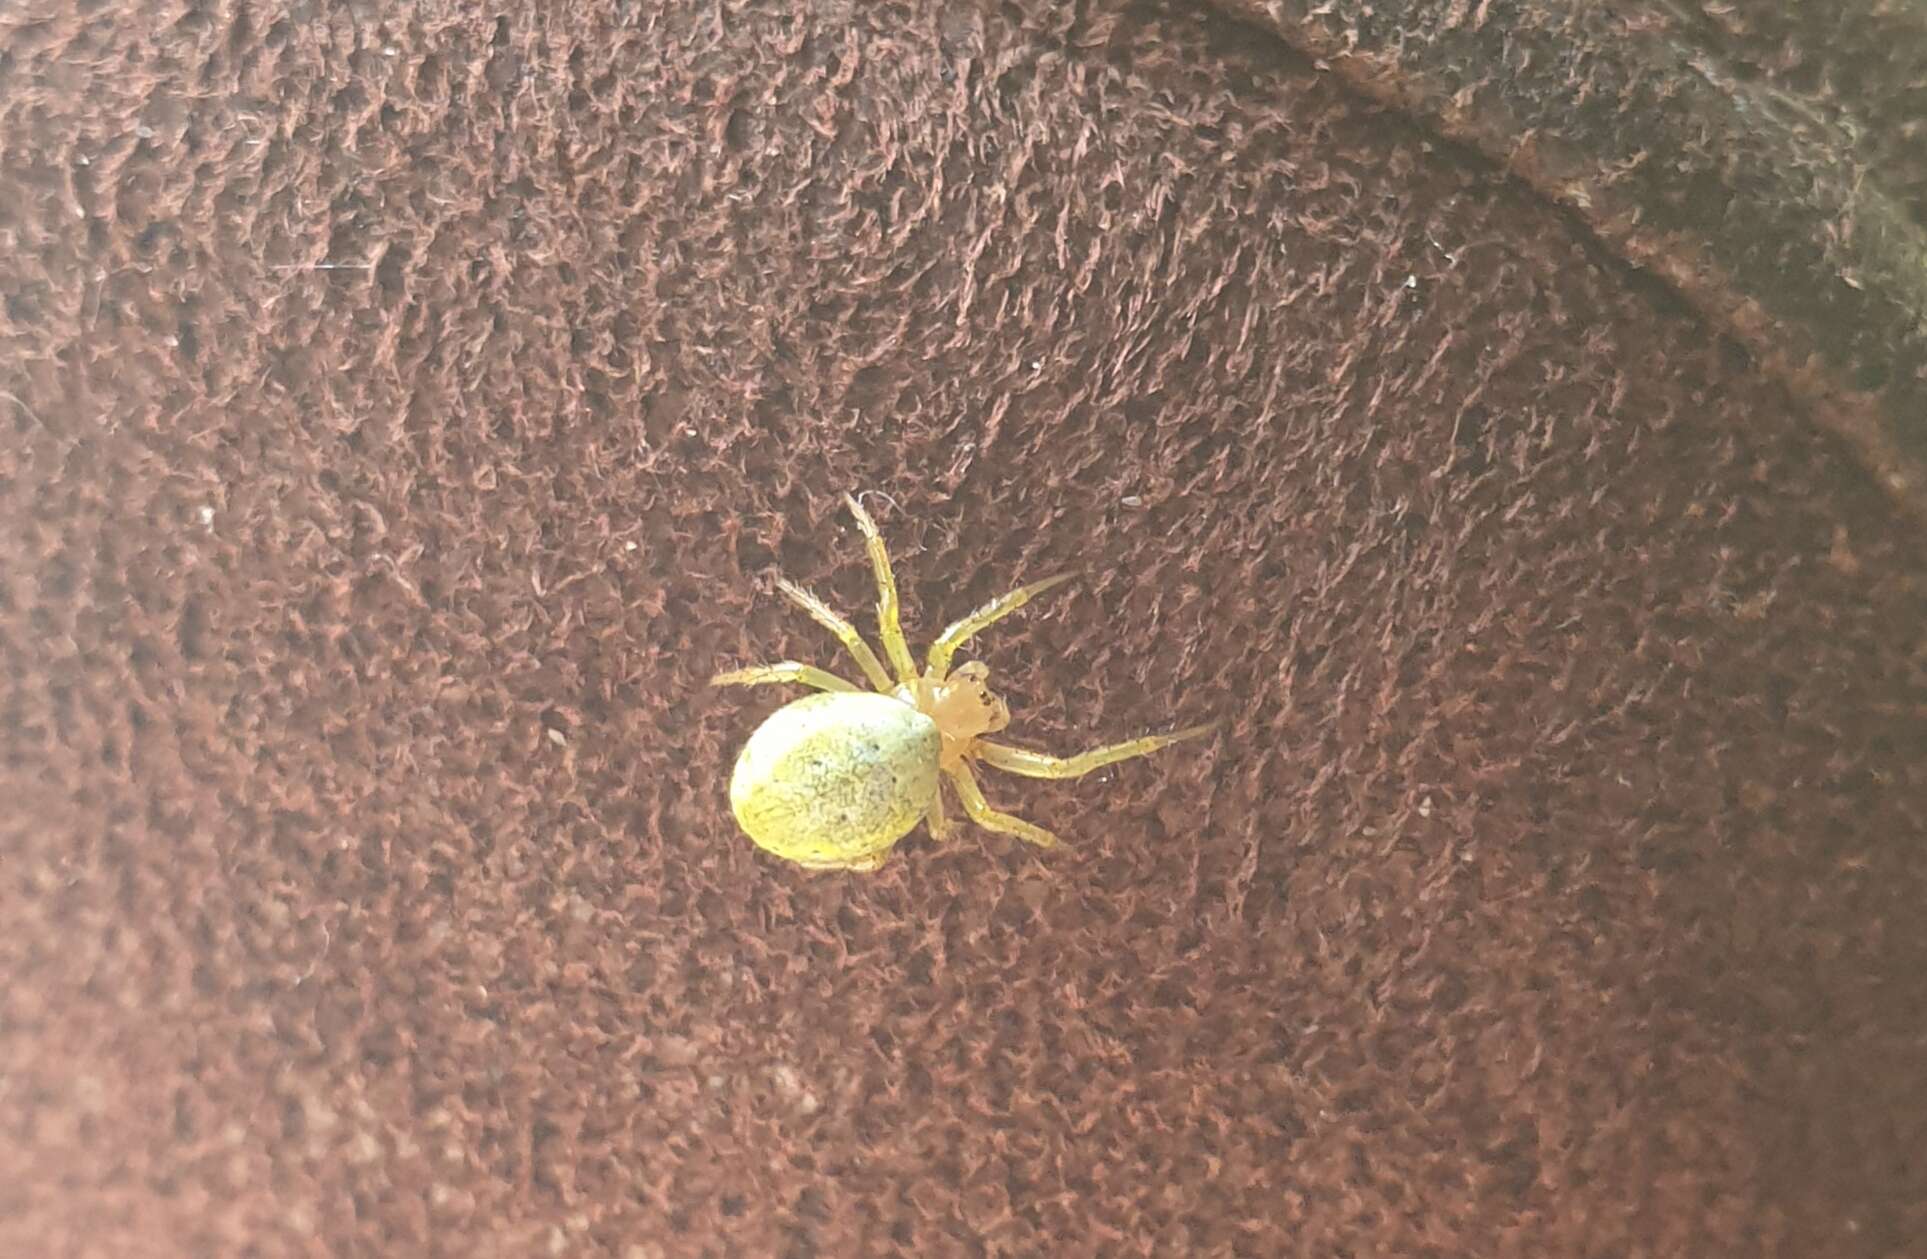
(1859, 63)
(1761, 204)
(405, 410)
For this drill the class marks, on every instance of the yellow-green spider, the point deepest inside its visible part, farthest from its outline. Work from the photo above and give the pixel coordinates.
(832, 781)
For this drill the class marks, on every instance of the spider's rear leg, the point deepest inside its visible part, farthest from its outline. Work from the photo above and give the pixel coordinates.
(936, 819)
(1043, 765)
(783, 671)
(990, 819)
(889, 618)
(846, 633)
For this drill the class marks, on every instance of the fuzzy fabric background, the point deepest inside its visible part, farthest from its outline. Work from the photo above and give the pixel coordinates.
(407, 407)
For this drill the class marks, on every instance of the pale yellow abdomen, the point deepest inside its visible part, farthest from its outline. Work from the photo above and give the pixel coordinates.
(835, 779)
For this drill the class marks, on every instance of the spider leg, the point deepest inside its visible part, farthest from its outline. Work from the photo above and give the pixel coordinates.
(889, 620)
(990, 819)
(938, 823)
(1042, 765)
(947, 642)
(820, 612)
(784, 671)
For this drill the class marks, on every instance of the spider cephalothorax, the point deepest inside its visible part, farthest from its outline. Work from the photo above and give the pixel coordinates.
(833, 781)
(962, 706)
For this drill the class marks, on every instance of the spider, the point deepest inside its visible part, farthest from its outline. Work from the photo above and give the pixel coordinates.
(833, 780)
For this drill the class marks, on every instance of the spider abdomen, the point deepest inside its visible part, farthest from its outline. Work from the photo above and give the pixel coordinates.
(836, 779)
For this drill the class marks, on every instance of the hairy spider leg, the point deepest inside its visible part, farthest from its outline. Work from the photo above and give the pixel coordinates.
(820, 613)
(990, 819)
(889, 619)
(961, 631)
(784, 671)
(1043, 765)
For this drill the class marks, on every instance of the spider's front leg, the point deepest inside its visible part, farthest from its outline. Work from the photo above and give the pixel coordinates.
(963, 630)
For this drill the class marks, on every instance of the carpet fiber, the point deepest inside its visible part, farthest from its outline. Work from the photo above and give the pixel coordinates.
(407, 408)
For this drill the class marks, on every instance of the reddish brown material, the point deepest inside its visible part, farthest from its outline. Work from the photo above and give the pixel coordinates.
(405, 409)
(1766, 208)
